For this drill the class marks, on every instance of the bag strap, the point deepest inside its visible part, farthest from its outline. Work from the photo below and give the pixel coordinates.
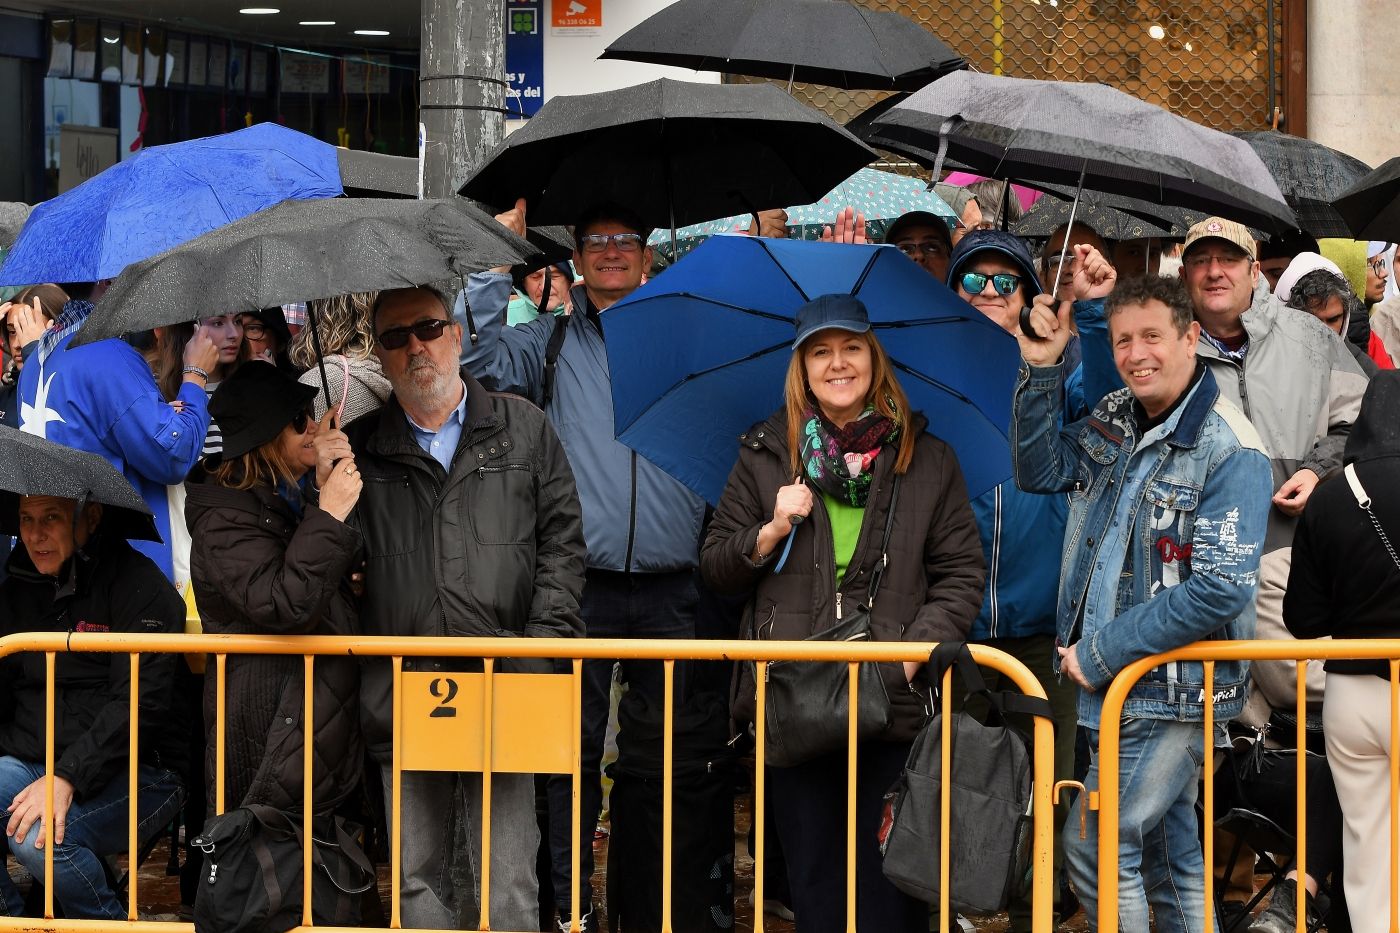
(878, 573)
(956, 653)
(551, 357)
(1364, 500)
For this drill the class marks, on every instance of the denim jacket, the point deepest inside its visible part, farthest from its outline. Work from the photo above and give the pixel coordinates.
(1163, 540)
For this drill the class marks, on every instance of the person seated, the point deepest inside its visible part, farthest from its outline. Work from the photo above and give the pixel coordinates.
(67, 576)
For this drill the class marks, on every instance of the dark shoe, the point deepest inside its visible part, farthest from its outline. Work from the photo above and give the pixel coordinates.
(1282, 914)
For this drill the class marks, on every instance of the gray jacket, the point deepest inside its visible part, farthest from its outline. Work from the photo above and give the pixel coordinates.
(635, 516)
(1299, 387)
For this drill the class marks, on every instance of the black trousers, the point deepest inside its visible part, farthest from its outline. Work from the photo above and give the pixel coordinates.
(809, 806)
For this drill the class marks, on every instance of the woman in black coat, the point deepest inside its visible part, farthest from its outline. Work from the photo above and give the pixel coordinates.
(269, 559)
(1345, 583)
(846, 433)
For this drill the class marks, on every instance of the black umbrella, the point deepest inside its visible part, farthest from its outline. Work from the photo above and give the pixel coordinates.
(829, 42)
(32, 466)
(1311, 177)
(13, 214)
(374, 174)
(1083, 135)
(301, 250)
(1371, 206)
(1050, 213)
(673, 151)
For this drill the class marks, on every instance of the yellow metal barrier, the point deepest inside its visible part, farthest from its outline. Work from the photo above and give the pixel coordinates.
(1105, 798)
(491, 722)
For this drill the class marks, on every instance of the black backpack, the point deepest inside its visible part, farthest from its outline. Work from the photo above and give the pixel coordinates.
(989, 801)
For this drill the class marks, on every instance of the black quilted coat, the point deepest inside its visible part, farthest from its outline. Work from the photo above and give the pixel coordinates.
(257, 570)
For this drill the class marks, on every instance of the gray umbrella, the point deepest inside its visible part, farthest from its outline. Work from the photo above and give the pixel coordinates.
(12, 217)
(1050, 213)
(673, 151)
(1311, 177)
(32, 466)
(1086, 135)
(374, 174)
(829, 42)
(300, 250)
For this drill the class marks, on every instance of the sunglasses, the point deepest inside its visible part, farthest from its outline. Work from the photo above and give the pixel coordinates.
(301, 419)
(1005, 283)
(598, 242)
(396, 338)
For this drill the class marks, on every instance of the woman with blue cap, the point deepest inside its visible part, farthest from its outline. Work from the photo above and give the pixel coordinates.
(801, 530)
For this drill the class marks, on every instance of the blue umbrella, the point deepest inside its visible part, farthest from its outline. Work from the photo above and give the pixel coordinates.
(699, 354)
(164, 196)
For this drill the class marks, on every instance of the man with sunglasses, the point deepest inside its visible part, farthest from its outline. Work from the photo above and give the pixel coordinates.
(471, 527)
(642, 526)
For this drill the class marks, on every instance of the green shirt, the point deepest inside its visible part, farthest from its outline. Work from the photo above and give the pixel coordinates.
(845, 531)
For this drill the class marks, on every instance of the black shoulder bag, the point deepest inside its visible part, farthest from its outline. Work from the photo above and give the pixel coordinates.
(808, 708)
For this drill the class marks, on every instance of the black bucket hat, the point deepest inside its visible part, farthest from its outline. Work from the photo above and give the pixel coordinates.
(253, 405)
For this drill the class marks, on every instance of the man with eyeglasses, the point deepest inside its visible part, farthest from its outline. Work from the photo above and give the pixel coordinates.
(472, 527)
(642, 526)
(924, 238)
(993, 272)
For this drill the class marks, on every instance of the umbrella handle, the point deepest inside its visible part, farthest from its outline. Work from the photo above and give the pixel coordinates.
(1026, 327)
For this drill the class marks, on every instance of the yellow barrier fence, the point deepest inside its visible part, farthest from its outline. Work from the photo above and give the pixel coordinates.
(508, 722)
(1105, 798)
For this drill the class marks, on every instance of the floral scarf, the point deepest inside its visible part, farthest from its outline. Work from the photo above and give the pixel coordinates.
(839, 461)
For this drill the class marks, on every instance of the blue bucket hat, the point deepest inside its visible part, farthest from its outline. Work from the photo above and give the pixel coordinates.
(1004, 244)
(842, 312)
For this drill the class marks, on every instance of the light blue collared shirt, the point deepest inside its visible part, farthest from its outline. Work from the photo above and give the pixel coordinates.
(442, 443)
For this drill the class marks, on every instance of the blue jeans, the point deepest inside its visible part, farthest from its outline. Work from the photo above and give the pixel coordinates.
(96, 827)
(1159, 852)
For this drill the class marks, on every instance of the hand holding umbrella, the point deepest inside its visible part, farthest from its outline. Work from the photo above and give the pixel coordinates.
(1044, 331)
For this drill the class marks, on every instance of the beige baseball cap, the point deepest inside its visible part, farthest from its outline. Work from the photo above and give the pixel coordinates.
(1218, 228)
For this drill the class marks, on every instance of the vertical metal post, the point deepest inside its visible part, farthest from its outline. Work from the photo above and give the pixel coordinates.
(852, 738)
(396, 804)
(487, 742)
(760, 790)
(50, 676)
(133, 761)
(461, 89)
(668, 795)
(308, 778)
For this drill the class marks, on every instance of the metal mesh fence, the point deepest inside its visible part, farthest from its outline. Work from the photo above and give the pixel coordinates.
(1218, 64)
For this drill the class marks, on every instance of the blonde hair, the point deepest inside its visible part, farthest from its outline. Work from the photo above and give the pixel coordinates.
(885, 393)
(344, 324)
(264, 465)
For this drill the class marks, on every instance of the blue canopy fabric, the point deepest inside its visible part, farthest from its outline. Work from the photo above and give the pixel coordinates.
(699, 354)
(162, 197)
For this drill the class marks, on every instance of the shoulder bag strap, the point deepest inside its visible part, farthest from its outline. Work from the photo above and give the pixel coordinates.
(879, 572)
(551, 357)
(1364, 501)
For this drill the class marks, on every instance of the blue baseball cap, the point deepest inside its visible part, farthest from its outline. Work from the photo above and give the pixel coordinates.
(1002, 243)
(841, 312)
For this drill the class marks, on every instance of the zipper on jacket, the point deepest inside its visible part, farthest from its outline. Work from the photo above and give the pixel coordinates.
(1244, 393)
(632, 518)
(838, 605)
(996, 561)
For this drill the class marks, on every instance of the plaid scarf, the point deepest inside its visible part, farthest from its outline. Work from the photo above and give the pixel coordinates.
(73, 316)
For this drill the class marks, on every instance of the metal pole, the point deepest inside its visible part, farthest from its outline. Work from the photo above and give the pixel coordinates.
(461, 89)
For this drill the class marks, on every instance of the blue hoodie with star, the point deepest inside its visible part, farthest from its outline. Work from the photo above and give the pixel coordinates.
(103, 399)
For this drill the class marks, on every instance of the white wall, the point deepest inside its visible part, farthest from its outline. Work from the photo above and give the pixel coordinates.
(571, 65)
(1353, 91)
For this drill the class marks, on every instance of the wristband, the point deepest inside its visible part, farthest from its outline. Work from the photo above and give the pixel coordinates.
(196, 371)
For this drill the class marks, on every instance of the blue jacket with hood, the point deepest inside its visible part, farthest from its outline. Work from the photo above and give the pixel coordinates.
(636, 518)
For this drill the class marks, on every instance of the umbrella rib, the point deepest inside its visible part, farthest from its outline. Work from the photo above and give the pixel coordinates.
(800, 291)
(754, 312)
(865, 273)
(934, 382)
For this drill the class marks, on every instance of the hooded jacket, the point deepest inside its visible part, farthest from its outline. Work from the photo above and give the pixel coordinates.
(109, 587)
(932, 586)
(1343, 582)
(258, 570)
(636, 517)
(1300, 388)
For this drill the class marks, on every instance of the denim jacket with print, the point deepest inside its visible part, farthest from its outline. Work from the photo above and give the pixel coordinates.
(1163, 540)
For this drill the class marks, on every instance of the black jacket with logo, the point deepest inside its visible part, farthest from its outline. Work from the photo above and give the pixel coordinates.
(110, 587)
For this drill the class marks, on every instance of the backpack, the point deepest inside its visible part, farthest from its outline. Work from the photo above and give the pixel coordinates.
(989, 805)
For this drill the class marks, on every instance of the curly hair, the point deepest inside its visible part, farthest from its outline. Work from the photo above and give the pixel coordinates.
(1314, 289)
(1140, 289)
(345, 326)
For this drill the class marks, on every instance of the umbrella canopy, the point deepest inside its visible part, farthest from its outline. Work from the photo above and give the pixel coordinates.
(374, 174)
(1371, 206)
(32, 466)
(300, 250)
(879, 195)
(1311, 177)
(1089, 135)
(1049, 214)
(699, 354)
(829, 42)
(166, 195)
(13, 214)
(673, 151)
